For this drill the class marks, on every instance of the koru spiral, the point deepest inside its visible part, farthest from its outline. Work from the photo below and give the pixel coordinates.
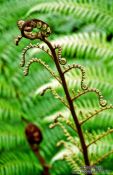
(28, 29)
(37, 29)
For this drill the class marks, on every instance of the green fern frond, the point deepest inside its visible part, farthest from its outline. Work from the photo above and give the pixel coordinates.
(86, 12)
(17, 163)
(10, 137)
(13, 13)
(58, 169)
(6, 89)
(100, 151)
(10, 110)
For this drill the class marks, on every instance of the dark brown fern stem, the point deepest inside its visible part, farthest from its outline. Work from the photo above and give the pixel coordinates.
(41, 159)
(70, 102)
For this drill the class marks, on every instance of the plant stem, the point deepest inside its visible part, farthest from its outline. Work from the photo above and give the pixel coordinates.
(41, 159)
(70, 102)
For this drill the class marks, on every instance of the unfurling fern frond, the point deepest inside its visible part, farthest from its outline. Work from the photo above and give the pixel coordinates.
(79, 141)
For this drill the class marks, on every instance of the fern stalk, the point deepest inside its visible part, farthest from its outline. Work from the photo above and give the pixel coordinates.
(70, 102)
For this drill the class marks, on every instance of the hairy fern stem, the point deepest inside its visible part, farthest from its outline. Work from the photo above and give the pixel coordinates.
(70, 102)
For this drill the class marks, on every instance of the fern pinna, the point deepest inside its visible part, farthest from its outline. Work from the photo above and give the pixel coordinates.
(83, 140)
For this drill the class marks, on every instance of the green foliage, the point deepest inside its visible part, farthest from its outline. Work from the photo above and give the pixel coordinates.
(18, 162)
(84, 30)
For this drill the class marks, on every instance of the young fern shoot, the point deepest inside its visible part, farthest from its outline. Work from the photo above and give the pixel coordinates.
(54, 51)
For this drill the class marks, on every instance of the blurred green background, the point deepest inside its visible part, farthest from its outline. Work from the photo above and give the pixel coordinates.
(84, 28)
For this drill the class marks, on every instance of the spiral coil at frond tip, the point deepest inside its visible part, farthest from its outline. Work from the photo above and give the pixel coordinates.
(27, 29)
(62, 60)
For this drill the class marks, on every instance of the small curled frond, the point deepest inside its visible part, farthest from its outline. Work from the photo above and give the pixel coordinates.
(26, 71)
(62, 61)
(71, 157)
(101, 100)
(67, 121)
(60, 118)
(78, 66)
(84, 87)
(96, 112)
(55, 94)
(30, 46)
(66, 133)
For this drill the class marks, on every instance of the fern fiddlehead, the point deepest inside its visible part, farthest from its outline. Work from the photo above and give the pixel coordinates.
(34, 137)
(28, 26)
(27, 31)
